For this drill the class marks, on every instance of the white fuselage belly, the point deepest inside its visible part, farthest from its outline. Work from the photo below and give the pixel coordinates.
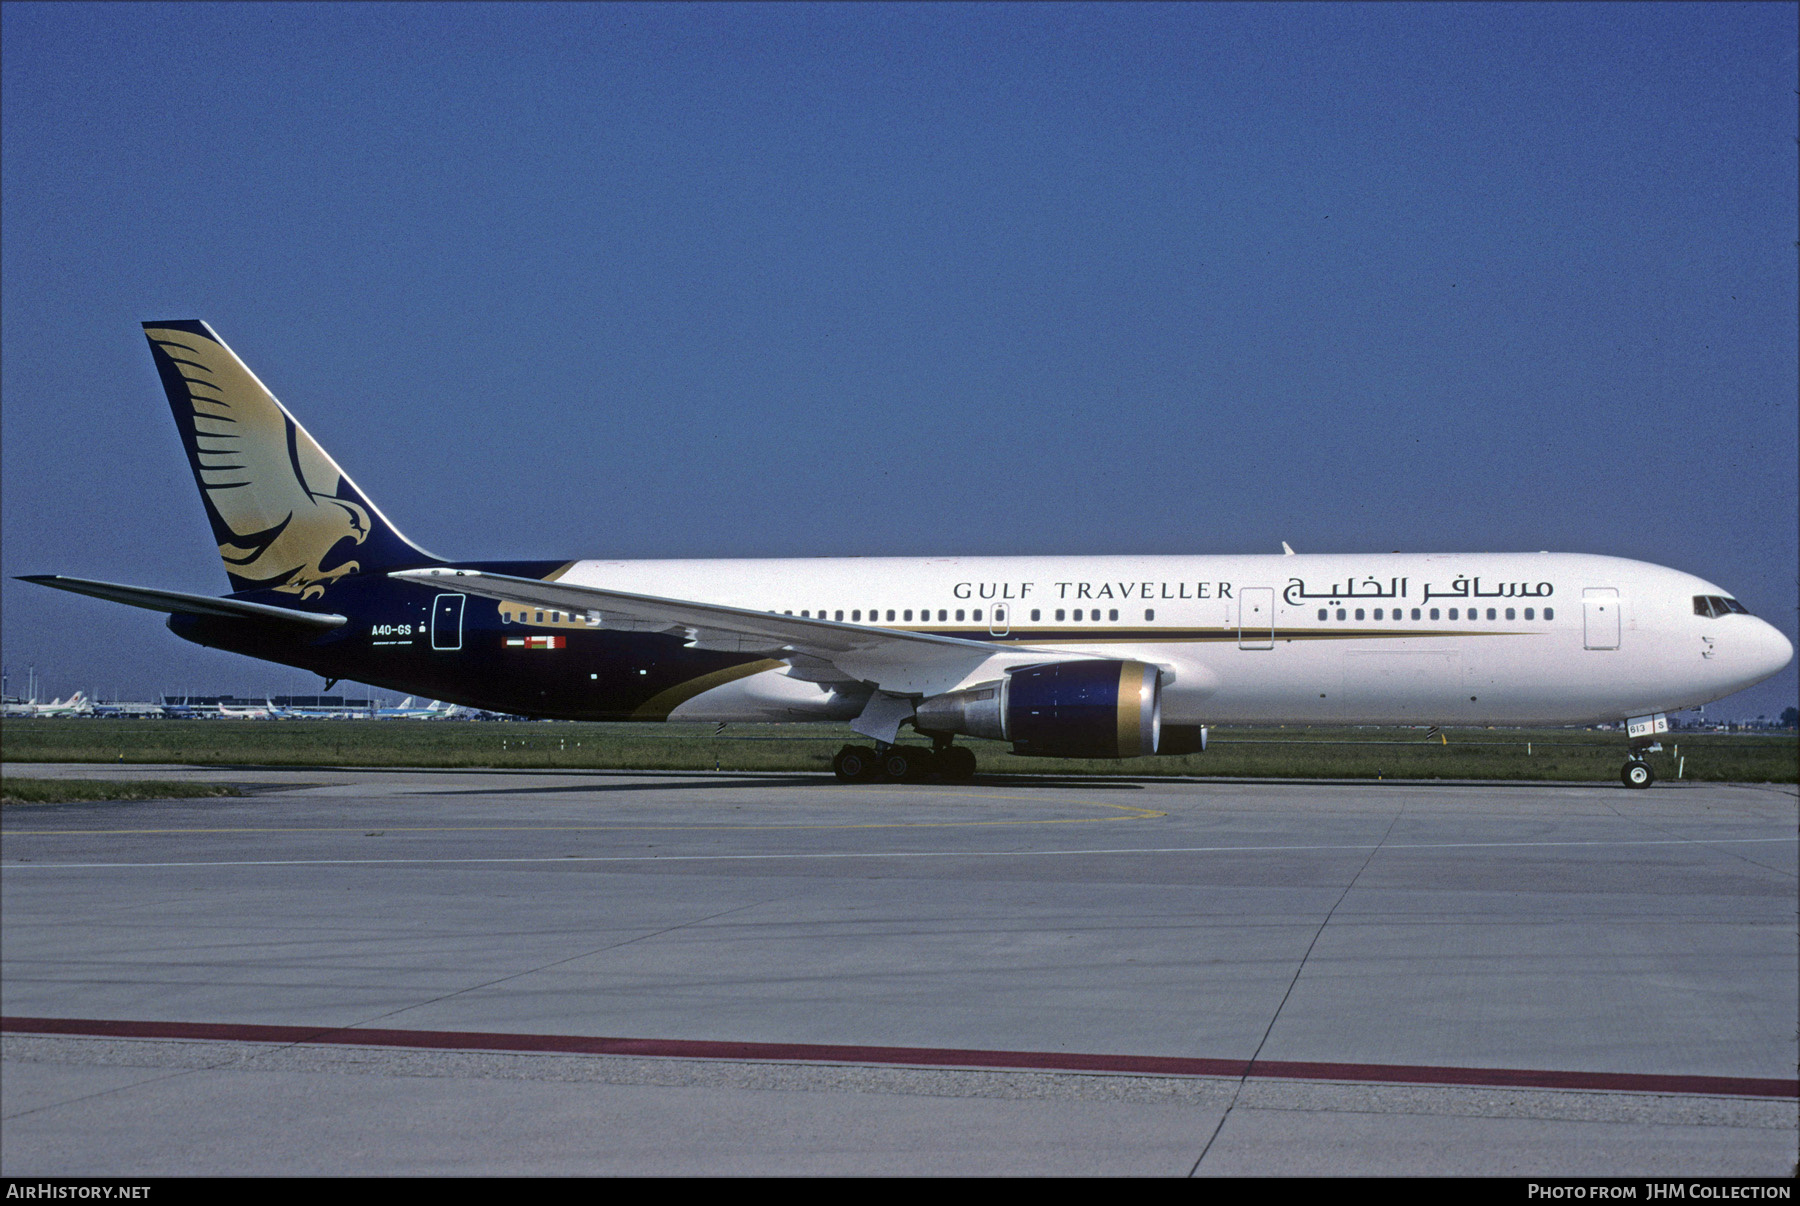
(1243, 636)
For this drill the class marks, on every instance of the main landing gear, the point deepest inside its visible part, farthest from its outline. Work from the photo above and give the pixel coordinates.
(903, 764)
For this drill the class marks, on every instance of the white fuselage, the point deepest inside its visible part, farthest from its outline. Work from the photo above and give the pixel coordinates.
(1454, 638)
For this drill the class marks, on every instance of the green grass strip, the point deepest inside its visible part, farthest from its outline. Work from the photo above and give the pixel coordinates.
(69, 791)
(1297, 752)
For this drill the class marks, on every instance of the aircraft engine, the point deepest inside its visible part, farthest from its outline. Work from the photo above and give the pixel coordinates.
(1080, 709)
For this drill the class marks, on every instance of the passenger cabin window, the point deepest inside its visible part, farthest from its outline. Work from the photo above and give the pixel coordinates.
(1113, 614)
(1150, 613)
(1323, 613)
(1036, 615)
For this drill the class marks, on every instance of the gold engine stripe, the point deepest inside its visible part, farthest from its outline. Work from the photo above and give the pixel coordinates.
(1131, 708)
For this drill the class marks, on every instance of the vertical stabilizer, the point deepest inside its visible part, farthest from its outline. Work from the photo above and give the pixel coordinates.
(286, 518)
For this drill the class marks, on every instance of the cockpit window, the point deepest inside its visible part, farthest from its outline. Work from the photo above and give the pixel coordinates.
(1718, 605)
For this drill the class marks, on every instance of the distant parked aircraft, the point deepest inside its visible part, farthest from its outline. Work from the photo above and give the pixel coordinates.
(405, 710)
(265, 711)
(77, 704)
(305, 712)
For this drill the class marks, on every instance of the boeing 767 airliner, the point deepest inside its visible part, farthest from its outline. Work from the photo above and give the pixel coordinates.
(1088, 657)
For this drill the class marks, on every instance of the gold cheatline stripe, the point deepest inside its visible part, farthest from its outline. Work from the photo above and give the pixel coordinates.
(1088, 636)
(559, 571)
(658, 706)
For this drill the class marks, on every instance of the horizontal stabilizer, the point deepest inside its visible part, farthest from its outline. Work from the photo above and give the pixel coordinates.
(177, 603)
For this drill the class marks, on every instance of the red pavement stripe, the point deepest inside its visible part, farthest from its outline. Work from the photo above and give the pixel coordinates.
(933, 1057)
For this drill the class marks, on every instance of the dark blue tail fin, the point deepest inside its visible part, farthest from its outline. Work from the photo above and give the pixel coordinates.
(286, 518)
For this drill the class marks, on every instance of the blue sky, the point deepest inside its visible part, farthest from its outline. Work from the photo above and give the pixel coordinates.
(721, 280)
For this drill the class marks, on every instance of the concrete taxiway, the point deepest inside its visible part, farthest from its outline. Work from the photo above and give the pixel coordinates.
(370, 971)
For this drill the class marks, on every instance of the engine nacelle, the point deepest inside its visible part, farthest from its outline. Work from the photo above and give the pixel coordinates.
(1079, 709)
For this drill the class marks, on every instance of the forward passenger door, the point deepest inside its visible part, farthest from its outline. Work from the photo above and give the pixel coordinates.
(1256, 617)
(1600, 617)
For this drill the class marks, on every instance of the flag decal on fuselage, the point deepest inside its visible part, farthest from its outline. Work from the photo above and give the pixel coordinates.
(537, 642)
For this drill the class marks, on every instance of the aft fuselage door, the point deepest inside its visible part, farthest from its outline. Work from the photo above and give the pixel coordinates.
(446, 621)
(1256, 617)
(1600, 617)
(1000, 619)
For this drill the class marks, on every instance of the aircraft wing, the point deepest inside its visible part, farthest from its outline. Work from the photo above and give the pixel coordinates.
(900, 662)
(179, 603)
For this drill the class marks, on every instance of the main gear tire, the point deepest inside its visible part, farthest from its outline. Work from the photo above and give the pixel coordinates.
(957, 764)
(854, 764)
(906, 764)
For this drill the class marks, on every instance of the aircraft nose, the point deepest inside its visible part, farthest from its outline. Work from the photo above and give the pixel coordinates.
(1771, 650)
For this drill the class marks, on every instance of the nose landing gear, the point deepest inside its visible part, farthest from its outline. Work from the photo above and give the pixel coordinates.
(1644, 731)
